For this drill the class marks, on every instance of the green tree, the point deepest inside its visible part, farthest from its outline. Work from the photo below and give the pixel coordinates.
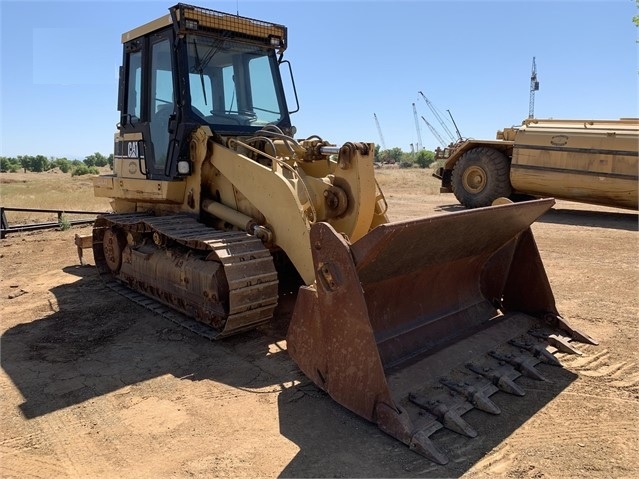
(396, 154)
(383, 157)
(96, 159)
(424, 158)
(80, 170)
(406, 160)
(83, 169)
(63, 164)
(25, 162)
(39, 163)
(9, 164)
(101, 160)
(110, 160)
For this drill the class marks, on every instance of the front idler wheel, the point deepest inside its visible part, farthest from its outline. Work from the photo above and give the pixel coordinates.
(113, 244)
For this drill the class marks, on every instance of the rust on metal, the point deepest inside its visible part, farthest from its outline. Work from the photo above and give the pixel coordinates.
(399, 324)
(224, 279)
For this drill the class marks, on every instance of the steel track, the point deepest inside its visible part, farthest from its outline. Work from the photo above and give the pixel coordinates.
(248, 269)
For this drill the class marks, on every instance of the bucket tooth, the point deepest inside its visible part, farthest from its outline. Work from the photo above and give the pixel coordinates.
(537, 350)
(421, 444)
(395, 422)
(473, 395)
(575, 334)
(520, 363)
(501, 380)
(561, 343)
(449, 418)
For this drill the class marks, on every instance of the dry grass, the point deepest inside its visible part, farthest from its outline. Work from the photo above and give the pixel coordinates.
(50, 190)
(414, 181)
(57, 190)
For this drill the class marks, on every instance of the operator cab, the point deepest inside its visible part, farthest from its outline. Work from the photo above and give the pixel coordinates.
(190, 68)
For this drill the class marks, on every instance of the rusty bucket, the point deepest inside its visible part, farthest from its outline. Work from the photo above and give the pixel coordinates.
(413, 308)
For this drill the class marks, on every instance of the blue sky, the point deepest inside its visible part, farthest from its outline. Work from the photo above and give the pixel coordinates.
(351, 60)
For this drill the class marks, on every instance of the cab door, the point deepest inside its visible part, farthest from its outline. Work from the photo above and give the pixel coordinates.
(161, 103)
(147, 106)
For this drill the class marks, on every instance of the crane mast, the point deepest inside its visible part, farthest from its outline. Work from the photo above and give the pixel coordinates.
(439, 118)
(379, 130)
(534, 86)
(419, 132)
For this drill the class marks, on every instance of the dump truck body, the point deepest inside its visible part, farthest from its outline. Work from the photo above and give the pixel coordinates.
(589, 161)
(219, 211)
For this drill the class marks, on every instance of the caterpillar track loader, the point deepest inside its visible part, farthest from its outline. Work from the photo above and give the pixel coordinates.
(218, 209)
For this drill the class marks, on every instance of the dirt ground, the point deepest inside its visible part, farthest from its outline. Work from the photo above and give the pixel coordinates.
(93, 386)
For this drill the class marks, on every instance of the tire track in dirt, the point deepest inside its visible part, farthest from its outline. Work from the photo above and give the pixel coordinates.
(608, 413)
(73, 454)
(507, 457)
(574, 431)
(601, 365)
(29, 466)
(25, 454)
(78, 453)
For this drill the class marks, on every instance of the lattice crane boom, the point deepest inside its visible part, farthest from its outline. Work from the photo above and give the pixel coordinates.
(419, 132)
(439, 118)
(435, 133)
(379, 130)
(534, 86)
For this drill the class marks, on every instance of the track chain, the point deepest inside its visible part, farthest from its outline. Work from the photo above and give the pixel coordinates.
(248, 267)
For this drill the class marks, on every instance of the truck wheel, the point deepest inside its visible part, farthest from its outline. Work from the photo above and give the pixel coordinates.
(481, 176)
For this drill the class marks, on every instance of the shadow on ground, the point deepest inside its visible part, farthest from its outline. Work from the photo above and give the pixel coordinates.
(89, 348)
(564, 215)
(592, 218)
(93, 345)
(352, 447)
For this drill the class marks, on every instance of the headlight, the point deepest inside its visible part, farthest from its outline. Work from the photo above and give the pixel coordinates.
(276, 42)
(184, 167)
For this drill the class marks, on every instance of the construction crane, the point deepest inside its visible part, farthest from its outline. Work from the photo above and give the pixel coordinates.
(379, 130)
(435, 133)
(419, 132)
(455, 124)
(534, 86)
(439, 118)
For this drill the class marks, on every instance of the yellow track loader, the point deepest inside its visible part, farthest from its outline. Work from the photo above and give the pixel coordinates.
(219, 210)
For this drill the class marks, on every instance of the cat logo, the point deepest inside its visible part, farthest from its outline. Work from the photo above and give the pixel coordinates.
(132, 149)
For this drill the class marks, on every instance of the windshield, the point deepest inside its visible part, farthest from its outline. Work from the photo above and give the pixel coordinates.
(232, 83)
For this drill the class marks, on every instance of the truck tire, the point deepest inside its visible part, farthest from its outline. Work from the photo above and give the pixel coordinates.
(481, 176)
